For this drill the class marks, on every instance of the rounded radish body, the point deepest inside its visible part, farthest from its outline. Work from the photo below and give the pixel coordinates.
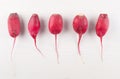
(13, 27)
(80, 25)
(55, 27)
(55, 24)
(101, 28)
(34, 27)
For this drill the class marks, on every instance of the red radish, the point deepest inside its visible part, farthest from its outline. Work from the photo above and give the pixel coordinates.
(80, 25)
(33, 28)
(101, 29)
(55, 27)
(13, 27)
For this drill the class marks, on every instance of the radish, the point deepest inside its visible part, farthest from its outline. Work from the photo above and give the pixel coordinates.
(101, 29)
(55, 27)
(13, 27)
(33, 28)
(80, 25)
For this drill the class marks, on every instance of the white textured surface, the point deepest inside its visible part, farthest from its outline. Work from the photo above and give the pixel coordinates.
(30, 65)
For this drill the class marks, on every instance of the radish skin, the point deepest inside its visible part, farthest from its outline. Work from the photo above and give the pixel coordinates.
(13, 27)
(101, 29)
(33, 28)
(55, 27)
(80, 26)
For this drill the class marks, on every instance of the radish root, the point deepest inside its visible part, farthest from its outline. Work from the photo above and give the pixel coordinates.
(37, 47)
(56, 48)
(101, 49)
(79, 39)
(13, 49)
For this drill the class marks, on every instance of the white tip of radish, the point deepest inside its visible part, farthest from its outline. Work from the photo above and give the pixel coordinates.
(81, 14)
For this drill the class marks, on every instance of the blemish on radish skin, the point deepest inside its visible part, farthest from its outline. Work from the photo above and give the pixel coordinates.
(80, 26)
(33, 28)
(101, 29)
(55, 27)
(13, 28)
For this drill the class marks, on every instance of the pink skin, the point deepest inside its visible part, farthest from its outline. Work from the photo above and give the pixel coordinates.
(101, 29)
(33, 28)
(13, 27)
(80, 25)
(55, 27)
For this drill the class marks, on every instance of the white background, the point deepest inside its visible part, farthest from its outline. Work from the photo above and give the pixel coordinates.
(29, 64)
